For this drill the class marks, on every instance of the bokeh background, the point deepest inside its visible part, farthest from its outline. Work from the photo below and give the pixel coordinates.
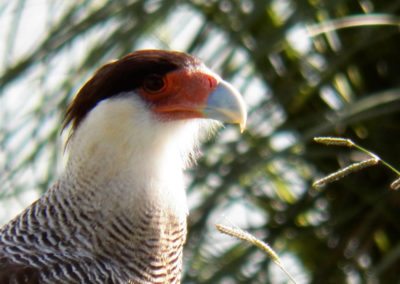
(305, 68)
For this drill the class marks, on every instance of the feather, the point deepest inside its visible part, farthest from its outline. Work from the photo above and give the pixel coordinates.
(11, 273)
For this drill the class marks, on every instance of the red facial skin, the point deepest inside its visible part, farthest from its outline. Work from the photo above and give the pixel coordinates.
(183, 96)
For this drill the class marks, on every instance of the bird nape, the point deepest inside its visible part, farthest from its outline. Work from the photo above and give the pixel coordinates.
(117, 213)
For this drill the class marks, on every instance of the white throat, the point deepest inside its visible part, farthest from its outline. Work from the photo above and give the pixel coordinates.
(130, 154)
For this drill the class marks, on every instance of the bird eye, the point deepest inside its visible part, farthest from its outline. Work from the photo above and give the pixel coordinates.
(154, 83)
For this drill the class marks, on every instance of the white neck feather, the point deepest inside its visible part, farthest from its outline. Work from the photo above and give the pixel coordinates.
(130, 154)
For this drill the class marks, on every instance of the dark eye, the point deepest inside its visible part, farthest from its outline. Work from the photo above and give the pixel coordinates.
(153, 83)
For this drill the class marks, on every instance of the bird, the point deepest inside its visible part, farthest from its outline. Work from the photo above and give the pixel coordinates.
(117, 212)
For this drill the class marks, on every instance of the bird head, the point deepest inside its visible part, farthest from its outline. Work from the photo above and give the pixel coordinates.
(149, 106)
(172, 85)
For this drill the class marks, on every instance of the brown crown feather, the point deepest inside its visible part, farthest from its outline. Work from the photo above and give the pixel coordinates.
(123, 75)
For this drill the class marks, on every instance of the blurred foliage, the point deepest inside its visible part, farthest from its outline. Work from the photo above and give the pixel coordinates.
(343, 82)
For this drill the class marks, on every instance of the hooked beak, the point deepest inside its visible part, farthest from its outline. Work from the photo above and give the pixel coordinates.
(226, 104)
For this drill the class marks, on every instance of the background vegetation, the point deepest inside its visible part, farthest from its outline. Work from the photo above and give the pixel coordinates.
(306, 68)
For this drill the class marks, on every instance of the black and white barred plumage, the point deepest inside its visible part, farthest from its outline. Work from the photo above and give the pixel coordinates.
(54, 241)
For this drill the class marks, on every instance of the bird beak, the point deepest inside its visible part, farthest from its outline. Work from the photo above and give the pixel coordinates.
(226, 104)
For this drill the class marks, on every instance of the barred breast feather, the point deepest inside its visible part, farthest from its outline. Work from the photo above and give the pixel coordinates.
(68, 240)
